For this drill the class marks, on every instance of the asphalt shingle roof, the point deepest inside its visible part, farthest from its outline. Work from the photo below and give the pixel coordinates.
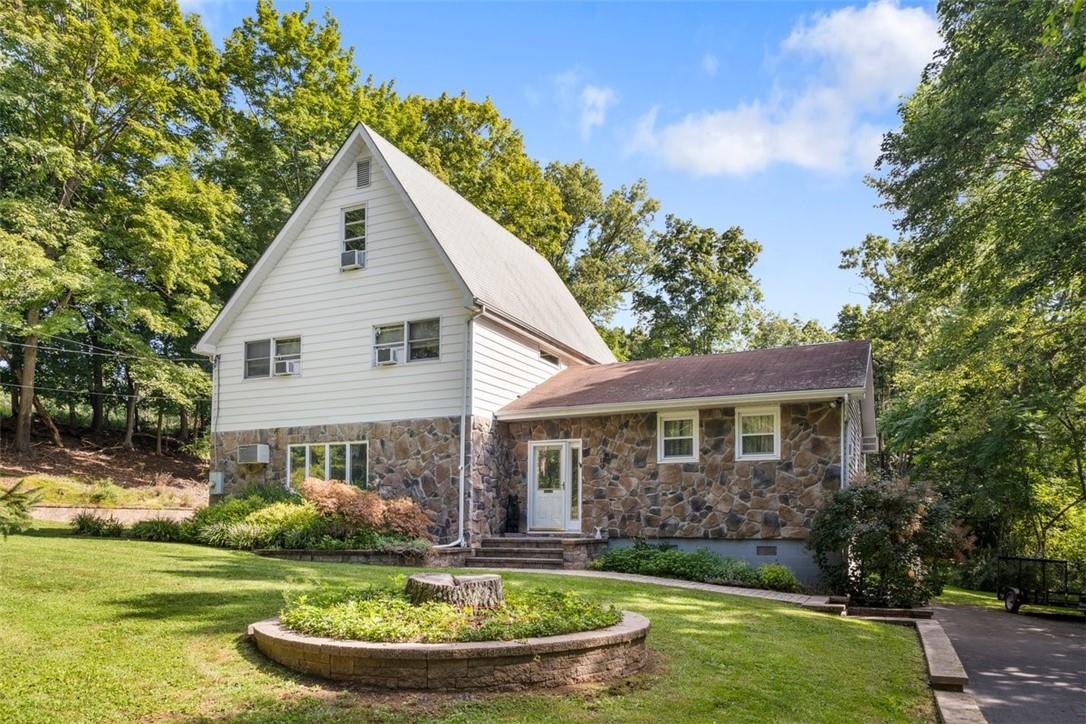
(831, 366)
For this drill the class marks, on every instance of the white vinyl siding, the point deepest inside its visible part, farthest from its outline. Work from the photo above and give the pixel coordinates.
(406, 279)
(854, 441)
(505, 365)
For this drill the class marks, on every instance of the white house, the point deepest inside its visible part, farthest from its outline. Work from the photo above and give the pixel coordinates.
(389, 314)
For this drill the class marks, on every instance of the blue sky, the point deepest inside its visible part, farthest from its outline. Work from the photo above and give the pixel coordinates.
(762, 115)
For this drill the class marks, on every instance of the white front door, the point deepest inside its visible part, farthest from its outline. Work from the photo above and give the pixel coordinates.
(554, 478)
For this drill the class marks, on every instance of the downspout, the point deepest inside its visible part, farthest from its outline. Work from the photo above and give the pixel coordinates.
(465, 434)
(844, 443)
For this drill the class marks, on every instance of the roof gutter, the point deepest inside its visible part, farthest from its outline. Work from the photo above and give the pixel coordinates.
(674, 404)
(511, 322)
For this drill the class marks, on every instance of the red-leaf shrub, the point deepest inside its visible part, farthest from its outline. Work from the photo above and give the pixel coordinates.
(362, 510)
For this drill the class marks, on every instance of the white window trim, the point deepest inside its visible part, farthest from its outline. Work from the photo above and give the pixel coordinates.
(661, 418)
(328, 459)
(272, 356)
(405, 344)
(740, 412)
(343, 226)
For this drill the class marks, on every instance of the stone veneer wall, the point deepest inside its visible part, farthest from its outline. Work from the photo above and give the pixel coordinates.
(407, 458)
(628, 494)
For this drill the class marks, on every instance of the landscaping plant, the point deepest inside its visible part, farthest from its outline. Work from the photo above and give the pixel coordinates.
(884, 543)
(163, 530)
(385, 613)
(702, 565)
(15, 505)
(98, 526)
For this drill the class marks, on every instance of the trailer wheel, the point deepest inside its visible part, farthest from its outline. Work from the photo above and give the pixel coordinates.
(1011, 600)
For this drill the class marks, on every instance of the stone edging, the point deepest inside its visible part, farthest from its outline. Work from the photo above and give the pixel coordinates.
(946, 675)
(589, 656)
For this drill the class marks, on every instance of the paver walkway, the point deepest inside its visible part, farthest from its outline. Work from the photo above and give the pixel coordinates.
(1022, 668)
(799, 599)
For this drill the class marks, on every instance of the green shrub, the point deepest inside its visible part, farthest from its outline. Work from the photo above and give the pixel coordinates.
(15, 504)
(778, 577)
(231, 510)
(156, 529)
(286, 525)
(887, 543)
(270, 493)
(92, 524)
(386, 614)
(701, 565)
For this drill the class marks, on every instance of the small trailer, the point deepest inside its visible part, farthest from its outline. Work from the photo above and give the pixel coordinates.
(1036, 581)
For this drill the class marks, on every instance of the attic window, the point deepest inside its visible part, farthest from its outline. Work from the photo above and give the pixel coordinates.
(362, 174)
(548, 357)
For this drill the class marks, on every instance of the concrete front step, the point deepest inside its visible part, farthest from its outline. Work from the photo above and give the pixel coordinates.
(511, 552)
(555, 543)
(513, 562)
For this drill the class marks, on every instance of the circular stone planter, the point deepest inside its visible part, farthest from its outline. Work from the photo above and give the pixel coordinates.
(589, 656)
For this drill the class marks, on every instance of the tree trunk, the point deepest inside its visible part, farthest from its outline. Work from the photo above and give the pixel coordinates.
(26, 387)
(46, 418)
(158, 433)
(71, 414)
(482, 591)
(98, 417)
(183, 425)
(130, 417)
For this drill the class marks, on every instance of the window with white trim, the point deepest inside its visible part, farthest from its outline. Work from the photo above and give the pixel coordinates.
(758, 433)
(407, 342)
(549, 358)
(354, 229)
(345, 461)
(677, 437)
(281, 356)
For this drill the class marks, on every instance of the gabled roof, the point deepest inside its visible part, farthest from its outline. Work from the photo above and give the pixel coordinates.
(496, 269)
(826, 370)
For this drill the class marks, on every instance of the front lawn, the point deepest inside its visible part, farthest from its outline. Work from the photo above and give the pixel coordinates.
(107, 630)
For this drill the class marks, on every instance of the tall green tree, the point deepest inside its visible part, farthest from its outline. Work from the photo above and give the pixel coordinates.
(700, 291)
(984, 298)
(103, 107)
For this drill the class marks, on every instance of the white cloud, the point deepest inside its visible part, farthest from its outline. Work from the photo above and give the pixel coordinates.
(595, 100)
(710, 63)
(582, 103)
(862, 60)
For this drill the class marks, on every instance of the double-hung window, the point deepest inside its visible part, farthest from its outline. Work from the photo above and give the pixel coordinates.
(677, 437)
(758, 433)
(354, 229)
(266, 357)
(346, 461)
(407, 342)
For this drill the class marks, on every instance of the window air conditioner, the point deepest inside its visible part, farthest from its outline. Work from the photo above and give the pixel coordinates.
(387, 356)
(285, 367)
(352, 259)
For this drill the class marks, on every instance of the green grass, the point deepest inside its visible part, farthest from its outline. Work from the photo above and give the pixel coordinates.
(985, 599)
(104, 493)
(106, 630)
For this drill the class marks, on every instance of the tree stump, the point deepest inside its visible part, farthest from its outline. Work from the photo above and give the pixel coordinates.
(481, 591)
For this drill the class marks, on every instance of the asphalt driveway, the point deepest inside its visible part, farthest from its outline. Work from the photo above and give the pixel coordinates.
(1024, 668)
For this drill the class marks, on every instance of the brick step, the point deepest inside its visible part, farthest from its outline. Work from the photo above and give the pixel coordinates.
(496, 562)
(511, 552)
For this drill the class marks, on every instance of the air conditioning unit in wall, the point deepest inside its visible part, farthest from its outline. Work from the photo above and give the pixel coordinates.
(352, 259)
(255, 454)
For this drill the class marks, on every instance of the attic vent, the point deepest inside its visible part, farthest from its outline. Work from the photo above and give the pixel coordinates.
(362, 171)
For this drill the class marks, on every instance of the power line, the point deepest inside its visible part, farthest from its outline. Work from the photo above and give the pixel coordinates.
(101, 354)
(103, 394)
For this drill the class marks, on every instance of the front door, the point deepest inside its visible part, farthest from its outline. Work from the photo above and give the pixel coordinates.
(555, 484)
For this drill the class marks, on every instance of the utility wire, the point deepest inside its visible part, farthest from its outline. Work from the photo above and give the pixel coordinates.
(102, 354)
(103, 394)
